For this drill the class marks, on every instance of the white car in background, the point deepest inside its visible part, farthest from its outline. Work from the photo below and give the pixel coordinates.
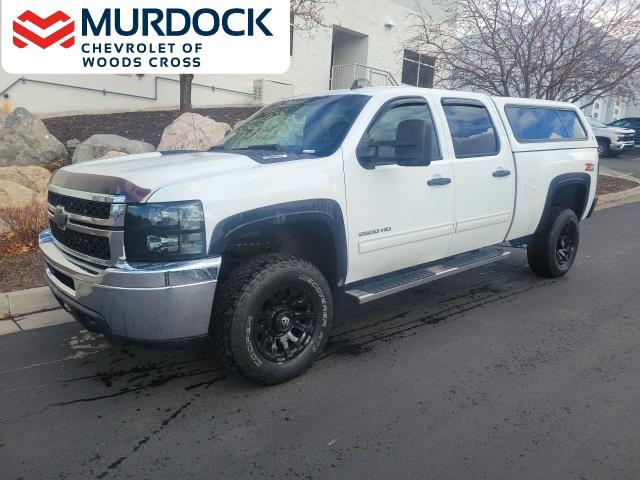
(612, 140)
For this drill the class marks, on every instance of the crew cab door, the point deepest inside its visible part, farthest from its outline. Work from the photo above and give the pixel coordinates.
(484, 171)
(398, 216)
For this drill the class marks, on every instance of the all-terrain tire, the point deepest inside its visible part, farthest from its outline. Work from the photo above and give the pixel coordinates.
(553, 249)
(238, 315)
(604, 149)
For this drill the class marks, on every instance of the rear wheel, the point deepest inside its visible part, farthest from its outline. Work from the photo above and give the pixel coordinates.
(552, 251)
(272, 316)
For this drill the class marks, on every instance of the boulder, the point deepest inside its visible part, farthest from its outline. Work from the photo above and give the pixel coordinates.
(15, 195)
(33, 178)
(191, 131)
(72, 144)
(113, 153)
(25, 140)
(96, 146)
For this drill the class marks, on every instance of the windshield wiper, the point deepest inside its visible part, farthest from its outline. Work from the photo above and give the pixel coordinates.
(265, 146)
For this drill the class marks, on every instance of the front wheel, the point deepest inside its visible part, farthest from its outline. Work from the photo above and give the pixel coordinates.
(272, 316)
(553, 249)
(603, 149)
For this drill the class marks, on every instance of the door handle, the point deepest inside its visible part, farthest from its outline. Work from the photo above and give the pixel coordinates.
(501, 173)
(439, 181)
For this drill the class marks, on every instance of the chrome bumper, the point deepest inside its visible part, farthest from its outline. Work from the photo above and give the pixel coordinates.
(154, 303)
(619, 146)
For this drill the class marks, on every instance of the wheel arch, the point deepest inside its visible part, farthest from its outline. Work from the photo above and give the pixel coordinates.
(570, 190)
(309, 223)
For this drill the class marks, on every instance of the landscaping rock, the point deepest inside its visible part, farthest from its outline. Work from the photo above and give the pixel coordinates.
(15, 195)
(25, 140)
(113, 153)
(191, 131)
(97, 146)
(33, 178)
(72, 145)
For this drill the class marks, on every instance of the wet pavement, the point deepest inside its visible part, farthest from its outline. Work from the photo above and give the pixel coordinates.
(490, 374)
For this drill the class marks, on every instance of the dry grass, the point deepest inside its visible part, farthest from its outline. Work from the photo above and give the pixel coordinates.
(23, 224)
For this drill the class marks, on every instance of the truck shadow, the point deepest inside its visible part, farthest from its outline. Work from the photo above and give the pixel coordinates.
(357, 329)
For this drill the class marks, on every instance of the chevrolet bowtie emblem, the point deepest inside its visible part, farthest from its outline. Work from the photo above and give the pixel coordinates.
(60, 217)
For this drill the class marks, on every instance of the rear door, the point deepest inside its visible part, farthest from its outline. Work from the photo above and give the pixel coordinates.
(483, 170)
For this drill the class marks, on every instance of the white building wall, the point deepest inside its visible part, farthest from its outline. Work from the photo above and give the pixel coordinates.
(309, 71)
(608, 109)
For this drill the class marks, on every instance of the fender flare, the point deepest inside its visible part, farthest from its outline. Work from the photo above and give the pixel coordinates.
(575, 178)
(323, 210)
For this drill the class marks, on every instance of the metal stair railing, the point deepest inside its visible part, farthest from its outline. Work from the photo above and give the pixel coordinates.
(348, 76)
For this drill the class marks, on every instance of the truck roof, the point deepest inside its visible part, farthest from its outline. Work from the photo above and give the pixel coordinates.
(408, 90)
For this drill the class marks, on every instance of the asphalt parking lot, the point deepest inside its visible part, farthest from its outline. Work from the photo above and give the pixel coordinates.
(627, 162)
(491, 374)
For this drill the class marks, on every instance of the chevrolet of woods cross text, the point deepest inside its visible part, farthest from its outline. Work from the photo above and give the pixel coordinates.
(361, 193)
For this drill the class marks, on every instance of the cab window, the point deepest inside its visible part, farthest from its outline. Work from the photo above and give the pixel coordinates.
(471, 128)
(383, 131)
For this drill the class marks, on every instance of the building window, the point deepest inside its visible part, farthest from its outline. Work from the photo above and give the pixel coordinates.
(417, 69)
(596, 106)
(616, 111)
(595, 115)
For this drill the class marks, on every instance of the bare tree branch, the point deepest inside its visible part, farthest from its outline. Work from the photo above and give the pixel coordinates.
(572, 50)
(308, 15)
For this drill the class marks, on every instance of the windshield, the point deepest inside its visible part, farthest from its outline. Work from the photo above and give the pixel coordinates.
(312, 126)
(595, 123)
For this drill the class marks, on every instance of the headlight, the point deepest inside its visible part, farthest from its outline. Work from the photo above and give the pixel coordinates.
(164, 231)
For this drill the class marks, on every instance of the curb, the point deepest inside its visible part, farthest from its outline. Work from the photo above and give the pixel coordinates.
(616, 199)
(30, 309)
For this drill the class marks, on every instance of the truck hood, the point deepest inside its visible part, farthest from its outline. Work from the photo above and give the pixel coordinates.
(138, 176)
(614, 130)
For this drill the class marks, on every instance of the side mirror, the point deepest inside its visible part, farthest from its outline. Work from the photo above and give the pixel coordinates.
(413, 143)
(367, 151)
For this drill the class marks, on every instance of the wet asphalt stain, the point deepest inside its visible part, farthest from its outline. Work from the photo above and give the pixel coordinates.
(175, 414)
(346, 340)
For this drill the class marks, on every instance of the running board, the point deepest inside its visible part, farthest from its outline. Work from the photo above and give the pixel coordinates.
(395, 282)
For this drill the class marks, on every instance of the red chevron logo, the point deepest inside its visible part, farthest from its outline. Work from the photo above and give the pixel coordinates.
(22, 32)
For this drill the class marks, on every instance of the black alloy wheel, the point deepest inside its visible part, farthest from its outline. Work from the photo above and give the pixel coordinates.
(565, 249)
(286, 323)
(272, 317)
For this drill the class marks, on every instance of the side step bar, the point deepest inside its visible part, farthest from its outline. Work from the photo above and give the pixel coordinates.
(395, 282)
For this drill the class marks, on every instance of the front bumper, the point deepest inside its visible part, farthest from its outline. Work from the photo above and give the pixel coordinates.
(620, 146)
(169, 302)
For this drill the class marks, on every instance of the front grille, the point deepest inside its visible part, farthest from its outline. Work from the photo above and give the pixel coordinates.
(80, 206)
(626, 138)
(91, 245)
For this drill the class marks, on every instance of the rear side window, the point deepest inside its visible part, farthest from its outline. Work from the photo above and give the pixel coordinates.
(471, 128)
(530, 124)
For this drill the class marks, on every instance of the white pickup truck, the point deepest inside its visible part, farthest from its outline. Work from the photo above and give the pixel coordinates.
(611, 140)
(362, 193)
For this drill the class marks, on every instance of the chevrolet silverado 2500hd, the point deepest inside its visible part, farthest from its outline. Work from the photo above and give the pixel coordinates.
(364, 193)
